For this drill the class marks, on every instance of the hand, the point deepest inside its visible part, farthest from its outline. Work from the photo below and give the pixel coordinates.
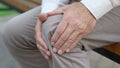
(76, 23)
(40, 42)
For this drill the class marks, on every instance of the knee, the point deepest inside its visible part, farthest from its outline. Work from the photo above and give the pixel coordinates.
(10, 31)
(9, 35)
(14, 35)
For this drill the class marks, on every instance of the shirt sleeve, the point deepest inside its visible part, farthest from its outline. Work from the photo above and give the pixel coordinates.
(50, 5)
(100, 7)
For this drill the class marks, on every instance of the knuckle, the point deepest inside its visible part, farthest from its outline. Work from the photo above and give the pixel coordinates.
(38, 34)
(53, 39)
(38, 39)
(63, 38)
(73, 24)
(64, 22)
(70, 41)
(41, 48)
(77, 20)
(78, 38)
(81, 27)
(85, 32)
(57, 46)
(59, 32)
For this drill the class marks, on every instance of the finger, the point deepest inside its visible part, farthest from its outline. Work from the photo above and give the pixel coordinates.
(41, 42)
(43, 50)
(84, 32)
(65, 46)
(60, 29)
(38, 35)
(57, 11)
(45, 55)
(70, 41)
(43, 17)
(74, 44)
(69, 30)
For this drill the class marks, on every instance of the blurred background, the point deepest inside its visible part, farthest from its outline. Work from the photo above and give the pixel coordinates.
(106, 57)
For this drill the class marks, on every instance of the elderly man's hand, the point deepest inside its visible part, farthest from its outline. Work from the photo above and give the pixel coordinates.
(76, 23)
(39, 41)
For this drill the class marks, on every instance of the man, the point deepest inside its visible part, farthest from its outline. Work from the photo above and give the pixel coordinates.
(66, 33)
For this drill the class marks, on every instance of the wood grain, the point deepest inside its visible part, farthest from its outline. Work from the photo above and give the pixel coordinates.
(21, 6)
(115, 48)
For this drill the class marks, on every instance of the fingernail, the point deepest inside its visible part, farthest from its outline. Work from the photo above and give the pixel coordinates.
(48, 53)
(52, 43)
(54, 50)
(60, 52)
(46, 57)
(68, 50)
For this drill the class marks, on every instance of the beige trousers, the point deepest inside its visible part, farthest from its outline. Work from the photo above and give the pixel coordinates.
(19, 37)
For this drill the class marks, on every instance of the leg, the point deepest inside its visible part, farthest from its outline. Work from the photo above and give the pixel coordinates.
(19, 38)
(19, 34)
(21, 42)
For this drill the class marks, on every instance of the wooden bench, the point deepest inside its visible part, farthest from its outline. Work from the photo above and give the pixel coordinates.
(23, 5)
(115, 48)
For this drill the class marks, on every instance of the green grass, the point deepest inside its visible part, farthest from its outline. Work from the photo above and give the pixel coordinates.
(3, 6)
(7, 12)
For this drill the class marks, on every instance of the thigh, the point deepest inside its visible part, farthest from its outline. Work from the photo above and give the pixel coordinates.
(19, 34)
(19, 37)
(106, 31)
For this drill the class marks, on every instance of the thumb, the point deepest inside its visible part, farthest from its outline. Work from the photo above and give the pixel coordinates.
(43, 17)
